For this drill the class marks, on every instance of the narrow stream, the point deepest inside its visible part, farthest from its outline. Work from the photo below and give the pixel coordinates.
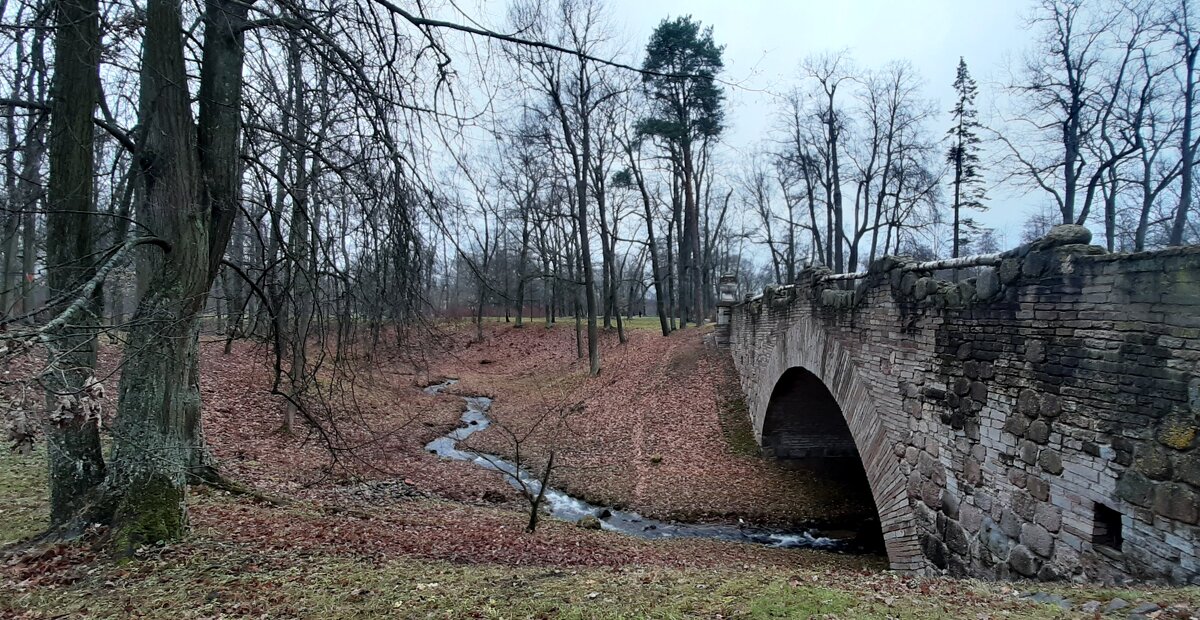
(568, 508)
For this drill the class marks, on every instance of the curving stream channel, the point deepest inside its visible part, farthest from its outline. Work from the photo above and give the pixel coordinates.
(563, 506)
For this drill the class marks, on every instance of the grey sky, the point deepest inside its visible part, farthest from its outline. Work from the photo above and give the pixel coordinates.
(766, 40)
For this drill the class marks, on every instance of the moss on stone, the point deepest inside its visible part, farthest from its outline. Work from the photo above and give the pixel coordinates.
(1177, 434)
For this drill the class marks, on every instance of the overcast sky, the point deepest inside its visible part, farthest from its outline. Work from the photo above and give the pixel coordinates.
(766, 40)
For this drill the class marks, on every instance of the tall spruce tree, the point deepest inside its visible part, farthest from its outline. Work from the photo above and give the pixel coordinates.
(963, 154)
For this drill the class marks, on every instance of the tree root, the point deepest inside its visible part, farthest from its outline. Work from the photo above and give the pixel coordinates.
(210, 477)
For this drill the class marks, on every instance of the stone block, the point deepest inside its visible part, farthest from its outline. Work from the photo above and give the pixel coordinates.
(987, 285)
(1187, 468)
(1153, 461)
(972, 472)
(1051, 406)
(1038, 432)
(1029, 402)
(1177, 501)
(1028, 452)
(1037, 263)
(1048, 516)
(1178, 432)
(1009, 270)
(931, 494)
(1016, 424)
(1010, 523)
(970, 517)
(1024, 505)
(979, 391)
(994, 539)
(1063, 234)
(1023, 561)
(1135, 488)
(1038, 488)
(1037, 539)
(950, 503)
(934, 550)
(1051, 462)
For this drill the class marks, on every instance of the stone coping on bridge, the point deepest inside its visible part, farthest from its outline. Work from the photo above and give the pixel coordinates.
(1035, 418)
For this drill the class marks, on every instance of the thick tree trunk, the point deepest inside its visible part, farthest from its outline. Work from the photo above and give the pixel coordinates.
(158, 438)
(158, 398)
(72, 431)
(219, 148)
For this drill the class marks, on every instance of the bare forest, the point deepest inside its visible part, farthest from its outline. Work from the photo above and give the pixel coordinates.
(312, 206)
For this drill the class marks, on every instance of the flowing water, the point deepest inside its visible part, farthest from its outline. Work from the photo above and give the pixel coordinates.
(475, 419)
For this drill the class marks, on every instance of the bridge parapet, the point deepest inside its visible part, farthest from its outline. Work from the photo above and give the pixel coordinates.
(1036, 419)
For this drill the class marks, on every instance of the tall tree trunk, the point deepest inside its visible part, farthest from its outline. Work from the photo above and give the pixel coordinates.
(301, 277)
(32, 153)
(158, 397)
(1110, 209)
(233, 286)
(1187, 148)
(9, 281)
(522, 259)
(72, 433)
(219, 132)
(656, 272)
(679, 274)
(585, 252)
(959, 152)
(158, 439)
(691, 209)
(28, 193)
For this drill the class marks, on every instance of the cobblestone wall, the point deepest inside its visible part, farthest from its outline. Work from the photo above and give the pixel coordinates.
(1038, 419)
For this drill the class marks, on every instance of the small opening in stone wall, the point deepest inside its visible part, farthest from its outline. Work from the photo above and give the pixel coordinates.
(1106, 527)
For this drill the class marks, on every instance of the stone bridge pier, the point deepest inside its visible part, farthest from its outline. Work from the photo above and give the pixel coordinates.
(1037, 418)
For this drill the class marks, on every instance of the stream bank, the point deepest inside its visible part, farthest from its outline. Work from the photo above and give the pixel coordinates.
(563, 506)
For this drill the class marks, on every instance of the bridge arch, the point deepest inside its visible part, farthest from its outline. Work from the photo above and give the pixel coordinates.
(804, 423)
(804, 353)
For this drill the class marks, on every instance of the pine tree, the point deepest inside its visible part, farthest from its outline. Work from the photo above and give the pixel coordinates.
(963, 153)
(680, 69)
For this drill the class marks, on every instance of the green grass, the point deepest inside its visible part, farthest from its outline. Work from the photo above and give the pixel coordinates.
(735, 425)
(24, 500)
(209, 579)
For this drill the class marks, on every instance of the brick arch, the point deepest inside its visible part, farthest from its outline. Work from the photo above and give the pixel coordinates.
(805, 345)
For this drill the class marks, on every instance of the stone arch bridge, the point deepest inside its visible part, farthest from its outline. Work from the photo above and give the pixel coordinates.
(1036, 419)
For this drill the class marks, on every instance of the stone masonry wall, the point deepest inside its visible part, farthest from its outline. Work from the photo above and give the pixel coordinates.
(1006, 421)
